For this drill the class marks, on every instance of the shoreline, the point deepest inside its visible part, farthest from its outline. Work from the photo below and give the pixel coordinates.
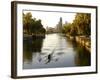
(82, 40)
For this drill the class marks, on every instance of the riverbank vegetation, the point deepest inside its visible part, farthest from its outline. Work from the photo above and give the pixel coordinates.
(32, 26)
(81, 25)
(79, 29)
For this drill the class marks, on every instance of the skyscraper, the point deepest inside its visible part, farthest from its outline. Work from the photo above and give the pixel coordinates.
(59, 25)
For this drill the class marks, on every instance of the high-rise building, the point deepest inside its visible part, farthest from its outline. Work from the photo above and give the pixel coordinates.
(59, 25)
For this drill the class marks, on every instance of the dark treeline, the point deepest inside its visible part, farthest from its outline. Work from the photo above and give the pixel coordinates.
(32, 26)
(81, 25)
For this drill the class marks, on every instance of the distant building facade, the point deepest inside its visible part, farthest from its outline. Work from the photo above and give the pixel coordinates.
(59, 25)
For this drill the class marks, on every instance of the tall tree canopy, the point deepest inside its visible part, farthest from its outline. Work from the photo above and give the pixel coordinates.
(81, 25)
(31, 25)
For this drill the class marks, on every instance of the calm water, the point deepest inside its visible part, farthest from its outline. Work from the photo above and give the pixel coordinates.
(54, 51)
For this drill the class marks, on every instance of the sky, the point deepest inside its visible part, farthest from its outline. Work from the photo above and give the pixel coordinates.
(51, 19)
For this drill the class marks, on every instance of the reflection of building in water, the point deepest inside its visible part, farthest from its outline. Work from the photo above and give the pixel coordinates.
(59, 25)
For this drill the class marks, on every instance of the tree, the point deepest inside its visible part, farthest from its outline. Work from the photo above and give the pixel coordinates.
(31, 25)
(73, 30)
(66, 28)
(26, 21)
(83, 23)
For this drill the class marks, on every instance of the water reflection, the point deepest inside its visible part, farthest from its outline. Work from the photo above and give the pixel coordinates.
(54, 51)
(30, 46)
(83, 56)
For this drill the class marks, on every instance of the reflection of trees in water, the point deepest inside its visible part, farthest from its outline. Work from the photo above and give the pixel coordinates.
(83, 56)
(37, 44)
(69, 42)
(31, 46)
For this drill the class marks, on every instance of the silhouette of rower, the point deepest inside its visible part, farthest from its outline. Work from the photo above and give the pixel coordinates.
(49, 58)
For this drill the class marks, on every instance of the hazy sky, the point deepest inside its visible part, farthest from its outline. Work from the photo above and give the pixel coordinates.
(50, 19)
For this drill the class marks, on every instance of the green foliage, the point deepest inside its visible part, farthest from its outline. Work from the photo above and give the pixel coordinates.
(31, 25)
(83, 23)
(66, 28)
(80, 26)
(73, 31)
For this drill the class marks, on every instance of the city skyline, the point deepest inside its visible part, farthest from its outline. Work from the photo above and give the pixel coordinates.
(49, 19)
